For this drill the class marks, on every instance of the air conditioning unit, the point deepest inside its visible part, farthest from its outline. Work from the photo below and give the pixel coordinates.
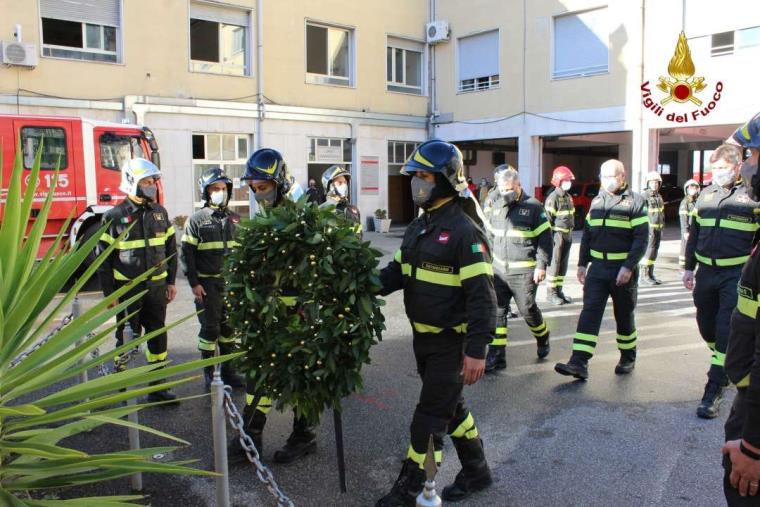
(437, 31)
(17, 53)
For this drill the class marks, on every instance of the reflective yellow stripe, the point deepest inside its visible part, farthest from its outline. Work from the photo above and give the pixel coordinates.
(647, 262)
(502, 331)
(627, 342)
(217, 245)
(522, 264)
(466, 429)
(705, 222)
(743, 382)
(264, 405)
(729, 261)
(639, 221)
(739, 226)
(206, 345)
(550, 210)
(718, 358)
(655, 226)
(155, 358)
(747, 306)
(586, 337)
(397, 256)
(170, 231)
(499, 342)
(512, 233)
(118, 276)
(539, 330)
(406, 269)
(426, 328)
(612, 256)
(447, 279)
(186, 238)
(560, 229)
(621, 224)
(106, 238)
(479, 268)
(656, 210)
(420, 458)
(594, 222)
(566, 212)
(289, 300)
(683, 212)
(205, 275)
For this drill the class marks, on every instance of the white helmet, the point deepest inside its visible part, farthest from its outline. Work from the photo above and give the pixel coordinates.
(690, 183)
(134, 170)
(653, 176)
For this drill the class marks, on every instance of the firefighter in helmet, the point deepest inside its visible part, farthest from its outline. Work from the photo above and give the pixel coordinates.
(656, 211)
(150, 243)
(690, 193)
(268, 177)
(444, 268)
(336, 181)
(208, 237)
(560, 211)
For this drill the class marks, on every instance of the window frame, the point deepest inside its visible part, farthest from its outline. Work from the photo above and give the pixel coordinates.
(553, 59)
(248, 46)
(66, 156)
(406, 45)
(493, 81)
(118, 53)
(197, 203)
(329, 79)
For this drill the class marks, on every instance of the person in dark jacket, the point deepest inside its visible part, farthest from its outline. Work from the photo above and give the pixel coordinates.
(209, 235)
(614, 240)
(560, 211)
(522, 247)
(337, 180)
(656, 210)
(150, 243)
(444, 268)
(314, 193)
(741, 460)
(720, 241)
(690, 193)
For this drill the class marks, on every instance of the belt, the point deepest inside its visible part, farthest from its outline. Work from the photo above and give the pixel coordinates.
(609, 256)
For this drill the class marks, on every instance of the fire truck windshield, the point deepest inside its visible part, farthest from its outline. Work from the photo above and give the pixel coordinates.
(115, 149)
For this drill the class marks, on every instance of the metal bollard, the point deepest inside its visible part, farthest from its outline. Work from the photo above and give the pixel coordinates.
(134, 433)
(428, 497)
(219, 428)
(76, 311)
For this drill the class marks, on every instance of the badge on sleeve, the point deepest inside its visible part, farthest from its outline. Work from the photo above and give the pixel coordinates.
(478, 248)
(443, 237)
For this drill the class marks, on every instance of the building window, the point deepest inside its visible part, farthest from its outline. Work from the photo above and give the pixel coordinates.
(581, 44)
(748, 37)
(479, 61)
(722, 44)
(404, 66)
(80, 30)
(228, 151)
(328, 55)
(398, 153)
(219, 40)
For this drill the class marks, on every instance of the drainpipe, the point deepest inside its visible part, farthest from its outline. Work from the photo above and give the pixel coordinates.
(431, 78)
(259, 71)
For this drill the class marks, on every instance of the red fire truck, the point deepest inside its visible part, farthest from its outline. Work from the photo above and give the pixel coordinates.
(91, 153)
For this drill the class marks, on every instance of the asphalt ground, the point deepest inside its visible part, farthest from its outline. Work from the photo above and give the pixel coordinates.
(613, 440)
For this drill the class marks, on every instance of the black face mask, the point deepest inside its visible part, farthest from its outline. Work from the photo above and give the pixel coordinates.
(751, 178)
(424, 193)
(510, 197)
(148, 193)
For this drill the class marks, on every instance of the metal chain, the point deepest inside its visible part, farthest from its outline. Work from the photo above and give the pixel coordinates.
(120, 362)
(262, 472)
(64, 322)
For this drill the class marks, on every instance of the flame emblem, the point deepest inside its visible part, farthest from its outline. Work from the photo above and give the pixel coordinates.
(681, 85)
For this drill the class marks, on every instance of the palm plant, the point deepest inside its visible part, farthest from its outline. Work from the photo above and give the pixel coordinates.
(39, 405)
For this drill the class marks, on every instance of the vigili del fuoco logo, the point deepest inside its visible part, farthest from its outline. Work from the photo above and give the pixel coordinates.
(681, 87)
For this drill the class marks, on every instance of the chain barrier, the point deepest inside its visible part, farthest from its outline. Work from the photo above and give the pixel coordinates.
(64, 322)
(119, 363)
(262, 472)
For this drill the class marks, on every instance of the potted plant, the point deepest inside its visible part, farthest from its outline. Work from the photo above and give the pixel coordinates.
(382, 222)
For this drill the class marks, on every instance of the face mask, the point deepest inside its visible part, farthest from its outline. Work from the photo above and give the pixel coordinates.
(724, 177)
(653, 185)
(148, 193)
(509, 196)
(692, 191)
(751, 177)
(610, 184)
(422, 192)
(219, 198)
(341, 190)
(565, 185)
(266, 199)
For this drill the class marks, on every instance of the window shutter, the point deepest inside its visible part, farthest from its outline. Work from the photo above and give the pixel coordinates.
(97, 12)
(479, 55)
(227, 16)
(581, 43)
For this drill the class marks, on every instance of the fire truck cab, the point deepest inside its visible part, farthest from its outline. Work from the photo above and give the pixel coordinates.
(91, 154)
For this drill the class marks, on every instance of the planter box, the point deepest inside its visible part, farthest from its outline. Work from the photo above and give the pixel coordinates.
(382, 224)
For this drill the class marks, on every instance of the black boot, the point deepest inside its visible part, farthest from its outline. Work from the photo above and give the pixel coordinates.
(627, 362)
(576, 367)
(543, 347)
(409, 484)
(164, 395)
(253, 423)
(302, 441)
(553, 296)
(208, 371)
(657, 281)
(496, 359)
(709, 408)
(647, 276)
(567, 299)
(475, 474)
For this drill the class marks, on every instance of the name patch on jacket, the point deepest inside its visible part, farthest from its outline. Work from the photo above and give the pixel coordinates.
(525, 212)
(626, 203)
(438, 268)
(746, 292)
(739, 218)
(159, 217)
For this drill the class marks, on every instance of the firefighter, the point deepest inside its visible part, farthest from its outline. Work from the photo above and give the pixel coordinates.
(614, 240)
(209, 235)
(444, 267)
(150, 243)
(336, 181)
(656, 210)
(522, 247)
(741, 459)
(690, 193)
(720, 241)
(268, 177)
(560, 211)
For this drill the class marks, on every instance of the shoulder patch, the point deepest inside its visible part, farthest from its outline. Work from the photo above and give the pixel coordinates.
(443, 237)
(479, 248)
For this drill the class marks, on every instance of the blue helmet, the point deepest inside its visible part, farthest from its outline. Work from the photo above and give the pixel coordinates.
(438, 156)
(748, 136)
(268, 164)
(211, 176)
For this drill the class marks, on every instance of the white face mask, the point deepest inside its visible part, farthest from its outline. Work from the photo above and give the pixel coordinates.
(610, 184)
(653, 185)
(692, 191)
(341, 190)
(724, 177)
(218, 198)
(565, 185)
